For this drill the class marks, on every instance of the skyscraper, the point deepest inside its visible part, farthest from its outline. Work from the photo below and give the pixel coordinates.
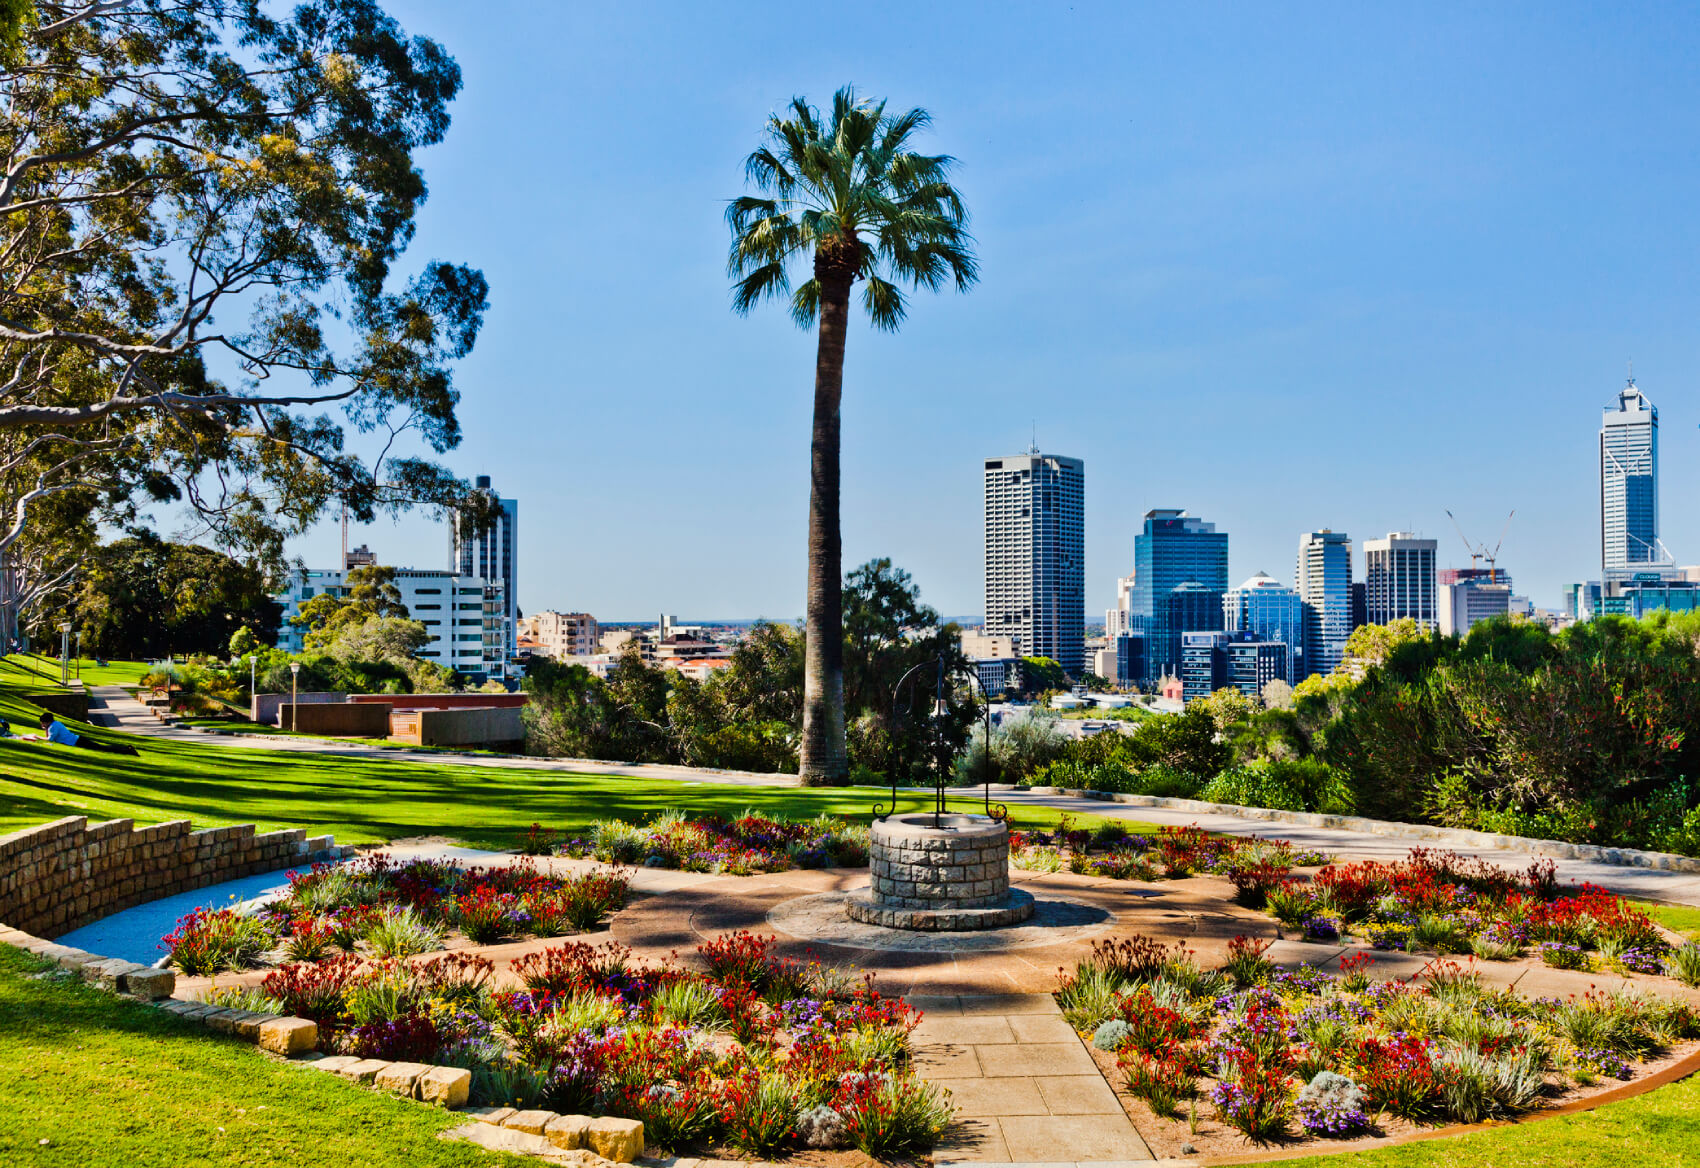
(1399, 579)
(1036, 555)
(1173, 550)
(1323, 580)
(492, 554)
(1629, 489)
(1269, 611)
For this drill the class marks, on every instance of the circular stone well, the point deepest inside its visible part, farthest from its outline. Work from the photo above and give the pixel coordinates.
(949, 877)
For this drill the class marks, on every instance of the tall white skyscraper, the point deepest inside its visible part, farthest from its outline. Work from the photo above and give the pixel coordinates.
(492, 554)
(1036, 555)
(1399, 579)
(1323, 579)
(1629, 489)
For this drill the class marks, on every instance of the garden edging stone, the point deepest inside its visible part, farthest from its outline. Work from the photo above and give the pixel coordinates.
(1459, 837)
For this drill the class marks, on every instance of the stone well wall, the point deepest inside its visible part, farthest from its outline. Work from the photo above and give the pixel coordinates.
(953, 876)
(66, 874)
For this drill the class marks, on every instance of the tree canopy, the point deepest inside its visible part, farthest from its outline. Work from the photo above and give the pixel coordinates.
(203, 206)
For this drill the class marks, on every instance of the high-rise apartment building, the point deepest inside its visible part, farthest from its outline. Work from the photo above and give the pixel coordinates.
(1269, 611)
(1399, 579)
(1036, 555)
(492, 554)
(1629, 489)
(1116, 619)
(1175, 550)
(1323, 580)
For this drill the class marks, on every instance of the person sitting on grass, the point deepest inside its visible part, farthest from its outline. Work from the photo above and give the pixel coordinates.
(53, 730)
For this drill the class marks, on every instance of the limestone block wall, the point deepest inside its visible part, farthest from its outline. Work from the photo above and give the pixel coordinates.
(66, 874)
(345, 720)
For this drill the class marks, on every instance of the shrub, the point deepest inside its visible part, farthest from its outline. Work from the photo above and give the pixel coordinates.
(1162, 1078)
(1288, 902)
(1112, 1034)
(1443, 934)
(538, 841)
(253, 999)
(1331, 1105)
(888, 1117)
(217, 940)
(308, 941)
(1562, 956)
(314, 991)
(1088, 998)
(1397, 1074)
(822, 1127)
(763, 1115)
(1253, 1098)
(1246, 962)
(485, 915)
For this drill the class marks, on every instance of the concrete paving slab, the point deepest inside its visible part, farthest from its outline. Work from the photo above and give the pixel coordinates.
(992, 1098)
(1008, 1004)
(1077, 1095)
(1039, 1058)
(972, 1139)
(1038, 1138)
(964, 1031)
(1041, 1028)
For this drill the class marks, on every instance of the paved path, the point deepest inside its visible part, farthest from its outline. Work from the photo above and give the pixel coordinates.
(1026, 1090)
(113, 706)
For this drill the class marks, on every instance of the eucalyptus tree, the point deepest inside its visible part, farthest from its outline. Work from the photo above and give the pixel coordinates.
(849, 196)
(202, 204)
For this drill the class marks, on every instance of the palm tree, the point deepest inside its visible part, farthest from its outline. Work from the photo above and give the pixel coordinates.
(851, 195)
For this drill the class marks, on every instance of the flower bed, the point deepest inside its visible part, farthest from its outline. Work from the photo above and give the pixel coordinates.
(1445, 903)
(1173, 853)
(376, 908)
(744, 846)
(754, 1054)
(1263, 1055)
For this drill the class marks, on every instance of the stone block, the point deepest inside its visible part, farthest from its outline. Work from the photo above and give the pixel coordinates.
(568, 1131)
(288, 1036)
(491, 1115)
(400, 1077)
(530, 1122)
(448, 1087)
(150, 983)
(363, 1070)
(108, 975)
(222, 1021)
(247, 1025)
(619, 1140)
(333, 1063)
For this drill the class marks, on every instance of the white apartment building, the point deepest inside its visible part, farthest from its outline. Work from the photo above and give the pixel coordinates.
(1468, 601)
(980, 646)
(463, 614)
(562, 634)
(1399, 579)
(1036, 555)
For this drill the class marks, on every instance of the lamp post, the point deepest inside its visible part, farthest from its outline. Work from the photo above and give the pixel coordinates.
(65, 654)
(251, 694)
(79, 655)
(294, 694)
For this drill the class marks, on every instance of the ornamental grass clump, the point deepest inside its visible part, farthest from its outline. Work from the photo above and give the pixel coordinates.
(1684, 964)
(1251, 1096)
(402, 932)
(215, 940)
(887, 1117)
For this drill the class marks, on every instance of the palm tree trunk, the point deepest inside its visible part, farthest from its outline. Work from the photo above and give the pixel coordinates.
(823, 759)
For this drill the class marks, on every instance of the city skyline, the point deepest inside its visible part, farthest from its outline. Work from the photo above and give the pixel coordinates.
(1369, 236)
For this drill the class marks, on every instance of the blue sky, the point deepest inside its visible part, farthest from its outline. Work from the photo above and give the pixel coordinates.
(1335, 266)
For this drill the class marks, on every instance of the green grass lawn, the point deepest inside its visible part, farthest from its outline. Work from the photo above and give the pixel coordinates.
(364, 800)
(34, 671)
(113, 1084)
(1678, 918)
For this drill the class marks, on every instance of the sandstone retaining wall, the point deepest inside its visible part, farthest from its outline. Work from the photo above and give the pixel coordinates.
(66, 874)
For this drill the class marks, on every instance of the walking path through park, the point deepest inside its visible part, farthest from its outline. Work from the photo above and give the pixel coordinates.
(113, 706)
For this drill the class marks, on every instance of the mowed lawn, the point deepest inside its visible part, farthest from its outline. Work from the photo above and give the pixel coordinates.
(365, 800)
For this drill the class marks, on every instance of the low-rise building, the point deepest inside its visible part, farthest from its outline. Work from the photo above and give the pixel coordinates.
(561, 634)
(463, 615)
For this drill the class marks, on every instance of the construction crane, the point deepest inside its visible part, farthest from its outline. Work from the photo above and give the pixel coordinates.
(1480, 552)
